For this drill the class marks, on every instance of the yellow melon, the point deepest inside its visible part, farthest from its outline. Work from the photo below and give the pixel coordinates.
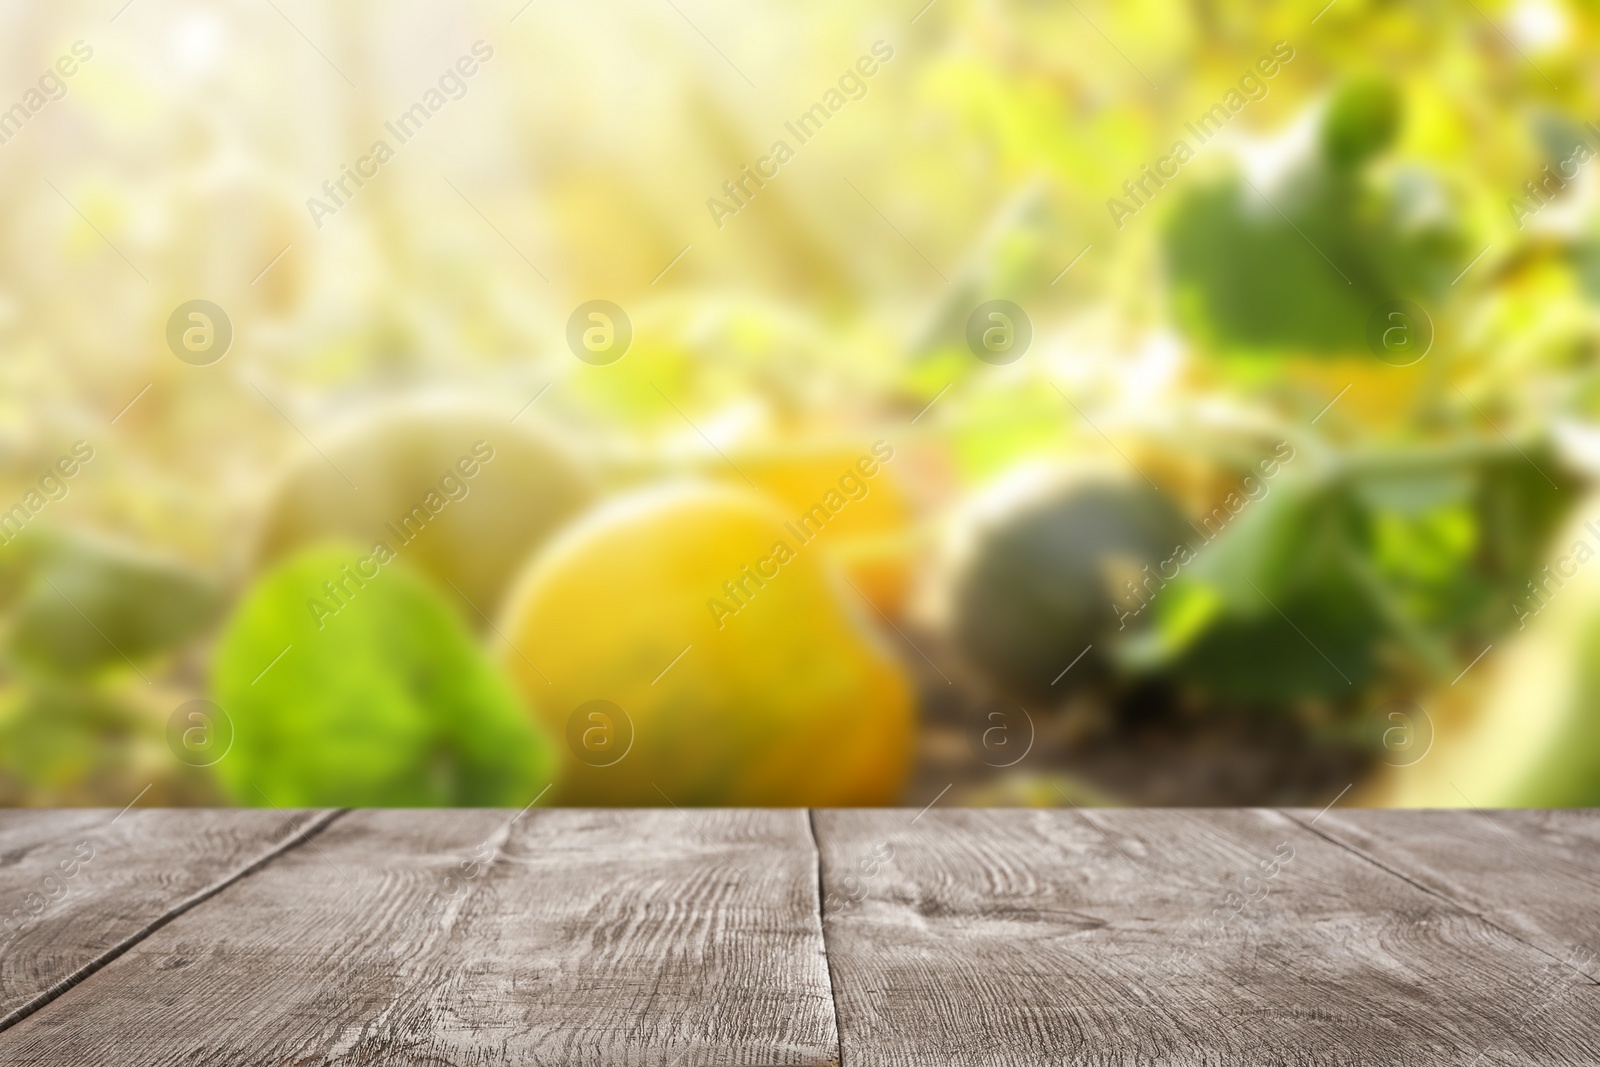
(869, 533)
(694, 648)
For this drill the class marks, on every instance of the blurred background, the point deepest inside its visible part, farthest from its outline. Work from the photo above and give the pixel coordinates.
(687, 402)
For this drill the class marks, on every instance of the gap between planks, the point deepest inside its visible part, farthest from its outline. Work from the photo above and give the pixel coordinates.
(1460, 905)
(66, 982)
(822, 926)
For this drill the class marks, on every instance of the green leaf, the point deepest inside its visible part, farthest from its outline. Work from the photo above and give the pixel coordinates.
(1361, 121)
(1415, 492)
(1244, 278)
(87, 604)
(376, 696)
(1269, 610)
(1320, 587)
(1325, 644)
(1302, 265)
(1455, 534)
(1274, 542)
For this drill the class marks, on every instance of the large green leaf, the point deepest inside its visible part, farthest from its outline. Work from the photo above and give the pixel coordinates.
(376, 696)
(1270, 610)
(1383, 559)
(1303, 264)
(1456, 533)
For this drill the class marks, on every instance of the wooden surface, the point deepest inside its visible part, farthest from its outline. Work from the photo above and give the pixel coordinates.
(1531, 872)
(77, 887)
(1134, 937)
(708, 937)
(478, 937)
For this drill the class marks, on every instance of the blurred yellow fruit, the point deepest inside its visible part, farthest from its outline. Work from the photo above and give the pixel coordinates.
(870, 538)
(457, 491)
(736, 666)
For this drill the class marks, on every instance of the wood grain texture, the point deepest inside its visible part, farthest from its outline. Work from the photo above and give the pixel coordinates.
(1535, 873)
(78, 886)
(1134, 937)
(563, 937)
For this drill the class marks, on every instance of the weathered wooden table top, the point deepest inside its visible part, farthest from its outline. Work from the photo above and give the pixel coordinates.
(723, 937)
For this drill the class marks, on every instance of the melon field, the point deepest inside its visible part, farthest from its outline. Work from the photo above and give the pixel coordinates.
(1115, 404)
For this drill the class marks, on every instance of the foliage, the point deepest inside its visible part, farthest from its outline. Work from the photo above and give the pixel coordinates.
(83, 605)
(389, 701)
(1383, 563)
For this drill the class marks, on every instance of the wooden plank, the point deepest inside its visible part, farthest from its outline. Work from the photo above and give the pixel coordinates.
(1535, 873)
(563, 937)
(1165, 937)
(78, 886)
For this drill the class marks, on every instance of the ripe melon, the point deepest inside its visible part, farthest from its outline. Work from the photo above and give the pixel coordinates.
(779, 694)
(870, 531)
(457, 491)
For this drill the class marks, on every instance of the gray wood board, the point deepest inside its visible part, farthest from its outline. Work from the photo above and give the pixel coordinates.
(1535, 873)
(1158, 937)
(658, 938)
(78, 886)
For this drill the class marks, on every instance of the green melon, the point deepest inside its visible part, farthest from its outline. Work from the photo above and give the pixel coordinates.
(458, 492)
(1041, 566)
